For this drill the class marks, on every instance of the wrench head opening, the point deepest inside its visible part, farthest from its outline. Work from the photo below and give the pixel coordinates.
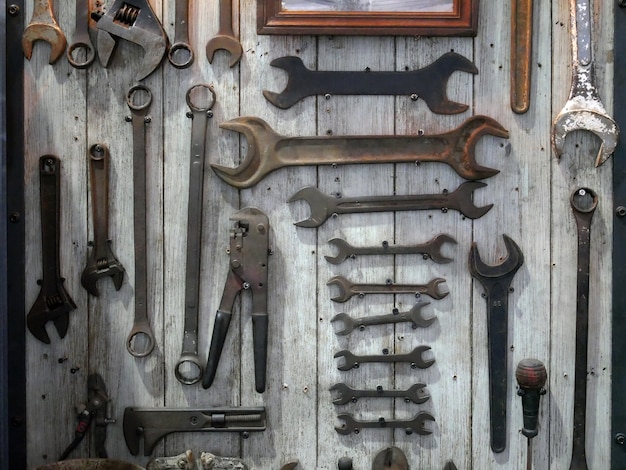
(343, 252)
(97, 269)
(464, 198)
(346, 322)
(224, 43)
(435, 252)
(415, 314)
(55, 308)
(50, 33)
(319, 204)
(345, 288)
(507, 268)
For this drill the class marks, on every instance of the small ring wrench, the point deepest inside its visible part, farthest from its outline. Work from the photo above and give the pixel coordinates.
(348, 289)
(180, 53)
(188, 370)
(43, 26)
(225, 38)
(413, 316)
(414, 425)
(415, 393)
(102, 261)
(415, 358)
(141, 325)
(430, 250)
(82, 41)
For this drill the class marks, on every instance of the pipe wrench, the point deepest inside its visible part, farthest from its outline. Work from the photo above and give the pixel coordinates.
(248, 270)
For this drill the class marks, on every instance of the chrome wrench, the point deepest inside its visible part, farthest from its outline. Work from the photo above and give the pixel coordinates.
(82, 42)
(180, 53)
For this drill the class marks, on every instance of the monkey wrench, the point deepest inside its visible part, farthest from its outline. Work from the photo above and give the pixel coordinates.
(496, 280)
(415, 358)
(348, 289)
(428, 83)
(410, 426)
(269, 151)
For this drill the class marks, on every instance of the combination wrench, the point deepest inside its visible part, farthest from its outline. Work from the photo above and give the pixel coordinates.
(348, 289)
(415, 393)
(140, 341)
(415, 358)
(324, 206)
(180, 54)
(410, 426)
(584, 202)
(43, 26)
(225, 39)
(188, 369)
(81, 53)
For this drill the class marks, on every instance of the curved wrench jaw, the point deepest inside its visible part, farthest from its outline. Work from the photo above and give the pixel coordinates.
(96, 269)
(466, 201)
(417, 424)
(318, 203)
(437, 242)
(223, 42)
(343, 250)
(50, 33)
(509, 266)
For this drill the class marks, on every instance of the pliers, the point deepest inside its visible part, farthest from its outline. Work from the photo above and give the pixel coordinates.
(249, 250)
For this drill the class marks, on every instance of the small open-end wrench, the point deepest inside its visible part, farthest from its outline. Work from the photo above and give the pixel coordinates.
(415, 358)
(521, 52)
(188, 369)
(429, 250)
(140, 342)
(180, 53)
(269, 151)
(225, 39)
(348, 289)
(102, 261)
(584, 202)
(413, 316)
(43, 26)
(410, 426)
(81, 53)
(496, 280)
(53, 303)
(429, 83)
(415, 393)
(584, 109)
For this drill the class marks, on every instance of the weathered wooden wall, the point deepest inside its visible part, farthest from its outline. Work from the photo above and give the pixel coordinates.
(68, 110)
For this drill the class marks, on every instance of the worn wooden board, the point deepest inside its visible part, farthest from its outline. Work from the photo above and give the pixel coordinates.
(68, 110)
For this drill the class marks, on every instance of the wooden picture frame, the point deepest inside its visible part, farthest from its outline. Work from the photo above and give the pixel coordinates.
(368, 17)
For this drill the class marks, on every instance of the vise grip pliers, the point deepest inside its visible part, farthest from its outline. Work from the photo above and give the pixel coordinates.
(247, 270)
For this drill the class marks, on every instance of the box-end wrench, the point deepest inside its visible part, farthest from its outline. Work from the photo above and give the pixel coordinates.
(180, 54)
(43, 26)
(521, 52)
(415, 358)
(429, 250)
(416, 393)
(269, 151)
(200, 99)
(53, 303)
(102, 261)
(348, 289)
(584, 202)
(496, 280)
(324, 206)
(81, 53)
(429, 83)
(140, 341)
(413, 316)
(225, 39)
(584, 109)
(410, 426)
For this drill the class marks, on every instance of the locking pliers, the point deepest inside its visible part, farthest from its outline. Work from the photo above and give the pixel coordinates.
(247, 270)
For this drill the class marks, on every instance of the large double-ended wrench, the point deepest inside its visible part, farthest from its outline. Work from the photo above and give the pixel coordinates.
(415, 358)
(416, 393)
(348, 289)
(269, 151)
(43, 26)
(410, 426)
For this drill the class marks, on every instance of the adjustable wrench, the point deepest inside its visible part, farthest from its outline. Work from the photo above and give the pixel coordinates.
(496, 281)
(53, 303)
(141, 325)
(225, 39)
(584, 202)
(102, 261)
(268, 151)
(348, 289)
(429, 250)
(188, 369)
(429, 83)
(43, 26)
(584, 109)
(324, 206)
(414, 316)
(521, 52)
(410, 426)
(180, 54)
(415, 393)
(415, 358)
(135, 21)
(82, 41)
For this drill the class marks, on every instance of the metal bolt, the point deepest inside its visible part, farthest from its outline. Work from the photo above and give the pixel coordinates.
(209, 114)
(621, 3)
(193, 420)
(147, 119)
(14, 217)
(379, 388)
(327, 96)
(128, 118)
(385, 351)
(620, 438)
(189, 114)
(414, 96)
(621, 210)
(13, 9)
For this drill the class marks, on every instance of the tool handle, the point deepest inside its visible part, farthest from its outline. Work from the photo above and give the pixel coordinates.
(531, 376)
(220, 329)
(260, 325)
(50, 200)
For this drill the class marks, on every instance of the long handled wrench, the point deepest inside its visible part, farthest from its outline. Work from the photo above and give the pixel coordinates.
(348, 289)
(140, 342)
(416, 393)
(521, 51)
(584, 202)
(410, 426)
(81, 53)
(180, 53)
(188, 369)
(415, 358)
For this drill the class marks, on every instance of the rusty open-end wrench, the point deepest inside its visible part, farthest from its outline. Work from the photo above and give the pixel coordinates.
(102, 261)
(348, 289)
(43, 26)
(416, 393)
(415, 358)
(584, 109)
(225, 39)
(429, 250)
(521, 52)
(496, 280)
(324, 206)
(413, 316)
(429, 83)
(269, 151)
(180, 53)
(81, 52)
(410, 426)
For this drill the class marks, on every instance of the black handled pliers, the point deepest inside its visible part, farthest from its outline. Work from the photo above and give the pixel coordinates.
(249, 250)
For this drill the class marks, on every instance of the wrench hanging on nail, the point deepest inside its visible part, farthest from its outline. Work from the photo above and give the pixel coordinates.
(180, 54)
(416, 393)
(43, 26)
(225, 39)
(415, 358)
(348, 289)
(521, 53)
(413, 316)
(82, 46)
(410, 426)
